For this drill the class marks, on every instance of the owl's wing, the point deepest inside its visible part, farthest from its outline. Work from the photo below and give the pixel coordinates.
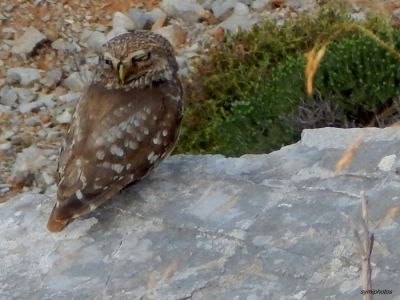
(115, 138)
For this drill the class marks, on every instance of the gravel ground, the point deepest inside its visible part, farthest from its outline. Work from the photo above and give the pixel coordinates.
(48, 51)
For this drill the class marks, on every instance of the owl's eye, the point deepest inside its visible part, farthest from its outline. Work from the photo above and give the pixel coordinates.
(108, 61)
(141, 56)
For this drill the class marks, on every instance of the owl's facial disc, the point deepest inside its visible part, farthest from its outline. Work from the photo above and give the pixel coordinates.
(131, 67)
(134, 66)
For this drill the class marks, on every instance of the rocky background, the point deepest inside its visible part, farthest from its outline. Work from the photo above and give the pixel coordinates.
(48, 51)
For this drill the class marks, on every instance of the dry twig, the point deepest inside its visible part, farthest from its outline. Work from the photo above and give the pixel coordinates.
(366, 243)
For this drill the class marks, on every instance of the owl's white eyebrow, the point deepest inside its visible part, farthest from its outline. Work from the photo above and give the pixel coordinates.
(108, 55)
(136, 54)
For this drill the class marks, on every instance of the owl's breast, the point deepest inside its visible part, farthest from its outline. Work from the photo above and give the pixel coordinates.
(134, 129)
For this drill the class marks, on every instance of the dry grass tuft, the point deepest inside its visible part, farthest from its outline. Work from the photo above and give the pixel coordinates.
(313, 60)
(349, 154)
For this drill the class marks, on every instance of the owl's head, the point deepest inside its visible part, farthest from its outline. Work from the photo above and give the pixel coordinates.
(135, 60)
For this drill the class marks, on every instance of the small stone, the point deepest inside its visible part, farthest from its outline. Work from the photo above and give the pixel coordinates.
(24, 95)
(101, 28)
(43, 101)
(159, 23)
(183, 67)
(12, 96)
(33, 121)
(115, 32)
(138, 17)
(359, 16)
(260, 5)
(53, 78)
(23, 76)
(206, 4)
(4, 109)
(221, 8)
(70, 97)
(174, 34)
(386, 163)
(45, 119)
(85, 35)
(96, 40)
(154, 15)
(234, 22)
(396, 13)
(76, 27)
(218, 34)
(74, 82)
(4, 54)
(64, 118)
(8, 96)
(62, 45)
(48, 179)
(52, 33)
(8, 33)
(241, 9)
(26, 168)
(121, 20)
(4, 188)
(10, 7)
(5, 146)
(28, 41)
(189, 11)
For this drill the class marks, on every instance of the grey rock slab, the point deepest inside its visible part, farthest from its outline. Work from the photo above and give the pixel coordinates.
(23, 76)
(338, 140)
(28, 41)
(273, 226)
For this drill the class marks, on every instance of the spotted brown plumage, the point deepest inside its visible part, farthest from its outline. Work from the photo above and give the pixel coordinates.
(125, 123)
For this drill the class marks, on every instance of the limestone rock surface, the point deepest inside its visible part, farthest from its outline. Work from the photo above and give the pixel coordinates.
(274, 226)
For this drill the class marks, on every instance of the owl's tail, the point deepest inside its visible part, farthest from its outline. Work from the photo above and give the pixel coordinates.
(54, 224)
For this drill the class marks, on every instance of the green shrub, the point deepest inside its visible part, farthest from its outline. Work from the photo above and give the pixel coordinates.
(248, 96)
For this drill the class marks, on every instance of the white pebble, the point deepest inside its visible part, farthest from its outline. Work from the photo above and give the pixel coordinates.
(386, 163)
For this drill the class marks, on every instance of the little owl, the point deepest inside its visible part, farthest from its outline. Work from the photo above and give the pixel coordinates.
(124, 124)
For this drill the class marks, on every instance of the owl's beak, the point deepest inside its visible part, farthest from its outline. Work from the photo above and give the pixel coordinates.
(121, 72)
